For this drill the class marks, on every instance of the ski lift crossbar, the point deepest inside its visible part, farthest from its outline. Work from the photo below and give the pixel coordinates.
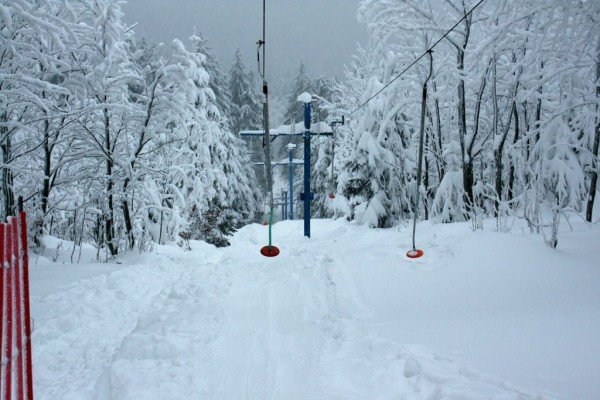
(276, 134)
(317, 129)
(282, 162)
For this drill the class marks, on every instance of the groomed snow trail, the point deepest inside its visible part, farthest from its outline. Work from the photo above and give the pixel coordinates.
(321, 321)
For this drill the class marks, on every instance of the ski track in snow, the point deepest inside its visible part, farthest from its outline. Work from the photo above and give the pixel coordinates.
(229, 324)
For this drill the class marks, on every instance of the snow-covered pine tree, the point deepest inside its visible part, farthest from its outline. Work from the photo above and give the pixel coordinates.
(246, 112)
(246, 109)
(346, 97)
(301, 83)
(379, 175)
(218, 80)
(221, 180)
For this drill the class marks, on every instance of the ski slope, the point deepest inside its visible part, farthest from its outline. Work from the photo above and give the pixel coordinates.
(484, 315)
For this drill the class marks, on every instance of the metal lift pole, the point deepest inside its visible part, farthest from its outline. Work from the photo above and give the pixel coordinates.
(307, 196)
(291, 178)
(270, 250)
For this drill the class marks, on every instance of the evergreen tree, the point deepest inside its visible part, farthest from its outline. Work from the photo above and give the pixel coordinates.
(224, 197)
(218, 80)
(246, 110)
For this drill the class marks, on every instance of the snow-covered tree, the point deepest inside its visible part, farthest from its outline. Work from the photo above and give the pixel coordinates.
(504, 75)
(246, 110)
(221, 180)
(219, 83)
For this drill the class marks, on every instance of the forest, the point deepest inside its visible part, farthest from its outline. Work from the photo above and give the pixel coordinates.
(122, 143)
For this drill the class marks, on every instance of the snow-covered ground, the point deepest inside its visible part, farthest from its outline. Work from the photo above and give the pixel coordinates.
(484, 315)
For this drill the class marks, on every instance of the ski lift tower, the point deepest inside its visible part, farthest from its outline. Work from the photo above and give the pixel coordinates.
(290, 162)
(306, 130)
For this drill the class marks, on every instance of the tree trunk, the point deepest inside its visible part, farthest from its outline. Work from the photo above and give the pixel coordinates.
(538, 109)
(594, 173)
(498, 154)
(462, 126)
(426, 178)
(555, 225)
(467, 160)
(38, 224)
(140, 147)
(7, 176)
(127, 216)
(497, 151)
(109, 217)
(511, 173)
(47, 169)
(438, 124)
(468, 174)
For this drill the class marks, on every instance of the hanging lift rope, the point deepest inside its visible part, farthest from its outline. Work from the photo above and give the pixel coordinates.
(332, 184)
(269, 250)
(416, 253)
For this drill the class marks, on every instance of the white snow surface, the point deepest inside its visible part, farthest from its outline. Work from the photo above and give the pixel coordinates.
(343, 315)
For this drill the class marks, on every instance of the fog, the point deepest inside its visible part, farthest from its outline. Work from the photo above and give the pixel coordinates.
(322, 33)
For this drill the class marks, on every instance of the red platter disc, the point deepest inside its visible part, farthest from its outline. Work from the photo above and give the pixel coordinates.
(414, 253)
(269, 251)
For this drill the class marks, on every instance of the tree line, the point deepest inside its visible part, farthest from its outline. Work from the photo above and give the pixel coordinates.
(118, 142)
(512, 118)
(115, 141)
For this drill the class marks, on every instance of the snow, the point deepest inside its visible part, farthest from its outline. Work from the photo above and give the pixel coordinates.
(294, 129)
(343, 315)
(304, 97)
(285, 161)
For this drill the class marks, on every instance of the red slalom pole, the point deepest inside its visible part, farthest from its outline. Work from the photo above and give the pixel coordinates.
(2, 273)
(25, 267)
(9, 314)
(18, 307)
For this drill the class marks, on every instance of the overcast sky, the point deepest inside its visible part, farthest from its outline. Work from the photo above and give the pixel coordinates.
(322, 33)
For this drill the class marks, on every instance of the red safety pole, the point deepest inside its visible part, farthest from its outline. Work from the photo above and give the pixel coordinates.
(2, 273)
(8, 351)
(25, 267)
(18, 306)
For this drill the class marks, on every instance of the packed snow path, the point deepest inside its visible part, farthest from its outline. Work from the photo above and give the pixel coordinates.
(340, 316)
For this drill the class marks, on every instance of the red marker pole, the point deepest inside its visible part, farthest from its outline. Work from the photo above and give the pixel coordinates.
(8, 350)
(16, 254)
(2, 273)
(27, 310)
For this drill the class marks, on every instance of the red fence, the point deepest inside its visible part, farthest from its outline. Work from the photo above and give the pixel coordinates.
(16, 381)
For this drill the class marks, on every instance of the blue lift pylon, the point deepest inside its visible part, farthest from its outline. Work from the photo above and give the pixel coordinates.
(306, 130)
